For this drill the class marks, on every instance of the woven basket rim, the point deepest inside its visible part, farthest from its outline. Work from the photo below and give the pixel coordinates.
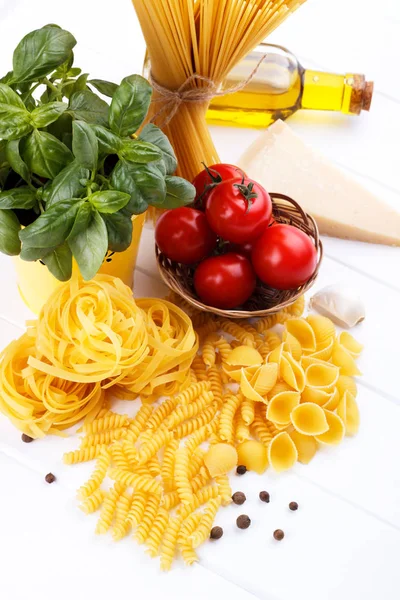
(284, 209)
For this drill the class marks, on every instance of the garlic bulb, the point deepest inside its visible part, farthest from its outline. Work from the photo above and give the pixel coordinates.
(339, 303)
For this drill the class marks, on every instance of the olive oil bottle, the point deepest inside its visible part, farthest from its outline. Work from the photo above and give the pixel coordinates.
(280, 87)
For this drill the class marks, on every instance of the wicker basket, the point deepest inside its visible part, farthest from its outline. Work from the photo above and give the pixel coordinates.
(265, 300)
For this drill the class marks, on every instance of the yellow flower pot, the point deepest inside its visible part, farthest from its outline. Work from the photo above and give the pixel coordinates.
(36, 283)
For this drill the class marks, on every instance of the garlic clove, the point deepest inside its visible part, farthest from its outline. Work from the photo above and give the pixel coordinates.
(339, 303)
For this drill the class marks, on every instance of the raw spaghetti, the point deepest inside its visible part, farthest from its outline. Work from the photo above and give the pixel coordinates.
(193, 45)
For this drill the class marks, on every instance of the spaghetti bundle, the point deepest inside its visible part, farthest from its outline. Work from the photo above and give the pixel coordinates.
(89, 337)
(193, 45)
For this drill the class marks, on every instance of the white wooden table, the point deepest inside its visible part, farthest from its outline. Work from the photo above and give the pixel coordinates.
(344, 542)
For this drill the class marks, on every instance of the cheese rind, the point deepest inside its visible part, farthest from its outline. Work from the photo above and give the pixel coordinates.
(282, 163)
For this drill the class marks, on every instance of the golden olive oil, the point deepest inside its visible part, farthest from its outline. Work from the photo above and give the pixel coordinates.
(280, 87)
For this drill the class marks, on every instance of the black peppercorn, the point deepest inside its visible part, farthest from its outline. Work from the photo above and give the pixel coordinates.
(239, 498)
(264, 496)
(243, 522)
(50, 478)
(293, 506)
(26, 438)
(279, 534)
(216, 533)
(241, 470)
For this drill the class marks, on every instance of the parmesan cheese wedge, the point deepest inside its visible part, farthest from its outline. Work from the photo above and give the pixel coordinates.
(282, 163)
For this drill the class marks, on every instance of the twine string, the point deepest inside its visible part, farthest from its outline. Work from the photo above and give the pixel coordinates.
(173, 99)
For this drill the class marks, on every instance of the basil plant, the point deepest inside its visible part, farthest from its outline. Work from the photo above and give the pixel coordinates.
(72, 170)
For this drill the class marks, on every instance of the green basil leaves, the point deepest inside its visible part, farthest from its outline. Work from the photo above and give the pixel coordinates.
(45, 155)
(88, 240)
(129, 105)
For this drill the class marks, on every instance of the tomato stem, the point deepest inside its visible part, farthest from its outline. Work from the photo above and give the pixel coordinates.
(247, 193)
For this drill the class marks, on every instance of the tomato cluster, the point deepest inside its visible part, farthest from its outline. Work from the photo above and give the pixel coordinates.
(232, 238)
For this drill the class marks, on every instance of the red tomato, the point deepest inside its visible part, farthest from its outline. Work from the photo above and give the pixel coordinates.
(215, 175)
(284, 257)
(184, 235)
(239, 212)
(225, 281)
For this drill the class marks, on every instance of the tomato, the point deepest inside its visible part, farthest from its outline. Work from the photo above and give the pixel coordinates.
(212, 176)
(239, 212)
(184, 235)
(225, 281)
(284, 257)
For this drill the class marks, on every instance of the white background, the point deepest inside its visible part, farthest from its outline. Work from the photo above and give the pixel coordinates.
(344, 542)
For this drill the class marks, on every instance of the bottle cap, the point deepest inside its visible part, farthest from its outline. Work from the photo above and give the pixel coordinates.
(361, 93)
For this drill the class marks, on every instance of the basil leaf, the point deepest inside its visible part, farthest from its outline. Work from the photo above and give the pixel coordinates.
(130, 105)
(9, 229)
(30, 103)
(47, 113)
(65, 69)
(59, 262)
(15, 120)
(66, 184)
(88, 240)
(8, 77)
(119, 230)
(109, 201)
(179, 192)
(45, 155)
(109, 143)
(140, 152)
(154, 135)
(15, 161)
(84, 144)
(53, 226)
(31, 254)
(41, 51)
(107, 88)
(21, 197)
(150, 183)
(80, 83)
(86, 106)
(122, 179)
(8, 96)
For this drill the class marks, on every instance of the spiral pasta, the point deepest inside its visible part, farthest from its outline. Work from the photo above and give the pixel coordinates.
(168, 464)
(103, 437)
(161, 413)
(149, 515)
(214, 377)
(139, 422)
(108, 508)
(188, 427)
(260, 428)
(224, 489)
(140, 483)
(208, 350)
(230, 406)
(121, 526)
(199, 368)
(108, 421)
(150, 448)
(182, 413)
(83, 455)
(203, 530)
(193, 392)
(136, 509)
(181, 476)
(157, 531)
(236, 331)
(197, 437)
(93, 502)
(241, 429)
(103, 462)
(169, 544)
(247, 411)
(202, 496)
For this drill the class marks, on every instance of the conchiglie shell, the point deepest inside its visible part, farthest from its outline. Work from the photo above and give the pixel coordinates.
(244, 356)
(248, 390)
(303, 331)
(324, 329)
(280, 386)
(306, 361)
(282, 452)
(333, 401)
(281, 406)
(220, 459)
(265, 378)
(276, 355)
(292, 345)
(322, 375)
(323, 353)
(235, 373)
(292, 372)
(335, 433)
(343, 359)
(350, 343)
(349, 413)
(316, 395)
(309, 419)
(306, 446)
(253, 455)
(346, 383)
